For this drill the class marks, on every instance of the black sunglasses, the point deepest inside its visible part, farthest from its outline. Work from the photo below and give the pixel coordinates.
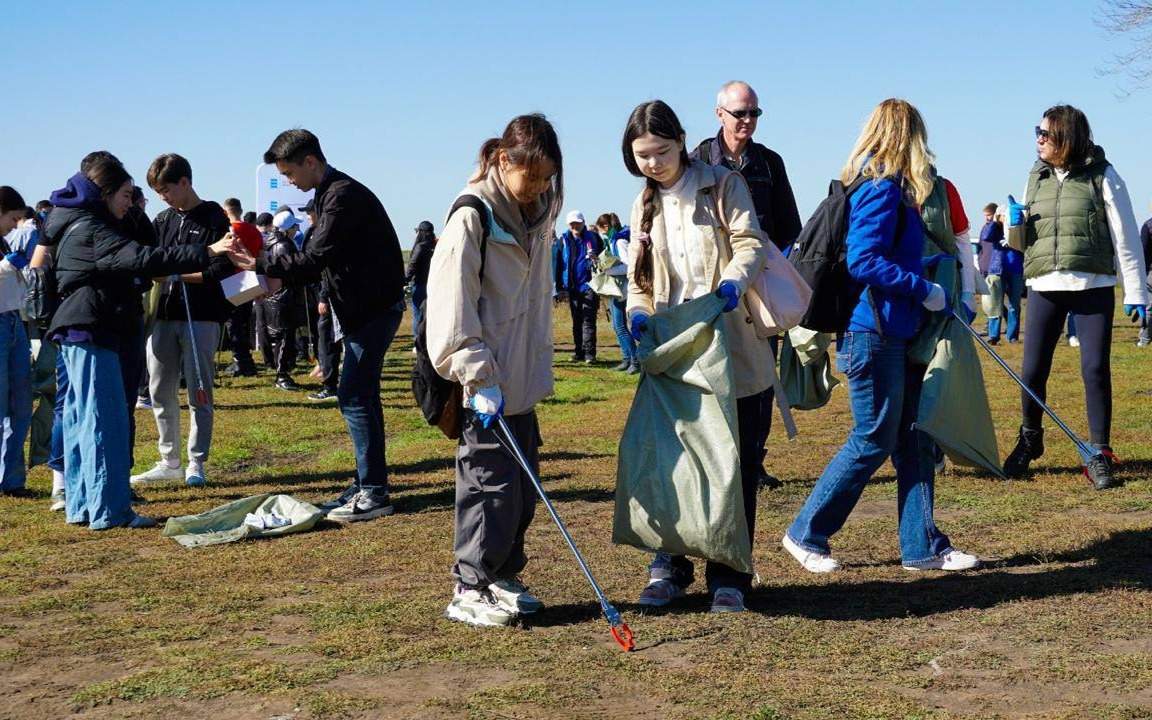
(744, 114)
(1042, 133)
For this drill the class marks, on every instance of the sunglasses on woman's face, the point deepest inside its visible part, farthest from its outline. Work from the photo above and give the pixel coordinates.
(744, 114)
(1041, 133)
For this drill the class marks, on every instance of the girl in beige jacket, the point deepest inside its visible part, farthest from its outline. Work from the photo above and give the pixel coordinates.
(489, 328)
(697, 234)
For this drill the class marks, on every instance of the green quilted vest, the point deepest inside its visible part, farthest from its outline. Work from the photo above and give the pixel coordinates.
(1067, 228)
(938, 234)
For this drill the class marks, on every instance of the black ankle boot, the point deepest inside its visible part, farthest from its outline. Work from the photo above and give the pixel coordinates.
(1029, 447)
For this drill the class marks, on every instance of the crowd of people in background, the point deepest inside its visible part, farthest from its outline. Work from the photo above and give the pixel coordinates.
(138, 310)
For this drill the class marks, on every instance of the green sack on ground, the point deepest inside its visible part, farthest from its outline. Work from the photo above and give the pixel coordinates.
(257, 516)
(954, 403)
(678, 487)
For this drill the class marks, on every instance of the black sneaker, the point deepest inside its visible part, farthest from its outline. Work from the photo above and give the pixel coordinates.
(1029, 447)
(242, 370)
(624, 365)
(322, 395)
(287, 383)
(364, 505)
(343, 498)
(1098, 469)
(22, 492)
(766, 481)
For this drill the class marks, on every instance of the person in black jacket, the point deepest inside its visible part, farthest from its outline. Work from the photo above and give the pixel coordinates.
(327, 343)
(356, 251)
(186, 332)
(284, 304)
(96, 271)
(417, 275)
(738, 109)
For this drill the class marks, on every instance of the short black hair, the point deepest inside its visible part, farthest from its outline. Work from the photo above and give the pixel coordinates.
(10, 199)
(43, 205)
(293, 146)
(233, 205)
(250, 217)
(137, 193)
(265, 218)
(94, 157)
(168, 169)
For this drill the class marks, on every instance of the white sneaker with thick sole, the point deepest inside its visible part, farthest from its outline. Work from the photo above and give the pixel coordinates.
(811, 561)
(951, 560)
(57, 501)
(194, 475)
(364, 505)
(514, 595)
(477, 606)
(160, 472)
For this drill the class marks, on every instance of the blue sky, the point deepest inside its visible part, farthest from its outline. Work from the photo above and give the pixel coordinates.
(403, 94)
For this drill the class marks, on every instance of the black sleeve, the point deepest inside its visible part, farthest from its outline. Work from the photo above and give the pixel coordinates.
(334, 222)
(220, 266)
(1146, 241)
(116, 254)
(785, 216)
(422, 248)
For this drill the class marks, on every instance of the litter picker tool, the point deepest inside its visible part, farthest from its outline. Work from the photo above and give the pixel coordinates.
(620, 630)
(1086, 451)
(201, 393)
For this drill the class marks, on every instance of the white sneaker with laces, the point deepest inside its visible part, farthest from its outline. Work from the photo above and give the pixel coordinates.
(477, 606)
(1073, 341)
(949, 560)
(160, 472)
(513, 595)
(811, 561)
(57, 501)
(364, 505)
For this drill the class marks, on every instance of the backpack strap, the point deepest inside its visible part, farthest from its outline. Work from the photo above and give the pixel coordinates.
(472, 201)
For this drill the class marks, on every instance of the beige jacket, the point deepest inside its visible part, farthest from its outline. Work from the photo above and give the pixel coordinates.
(733, 250)
(498, 332)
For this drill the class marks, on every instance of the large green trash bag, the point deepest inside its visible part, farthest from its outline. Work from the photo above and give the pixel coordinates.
(257, 516)
(954, 402)
(678, 486)
(806, 368)
(922, 347)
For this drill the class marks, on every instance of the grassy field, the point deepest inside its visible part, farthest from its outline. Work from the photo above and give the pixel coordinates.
(346, 622)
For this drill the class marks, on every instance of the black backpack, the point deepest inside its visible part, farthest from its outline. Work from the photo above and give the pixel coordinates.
(821, 258)
(441, 400)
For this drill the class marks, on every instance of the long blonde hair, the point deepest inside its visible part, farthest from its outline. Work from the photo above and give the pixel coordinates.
(893, 142)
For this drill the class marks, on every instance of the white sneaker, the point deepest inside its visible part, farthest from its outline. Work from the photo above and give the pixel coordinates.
(160, 472)
(57, 501)
(950, 560)
(194, 475)
(364, 505)
(1073, 341)
(477, 606)
(513, 595)
(811, 561)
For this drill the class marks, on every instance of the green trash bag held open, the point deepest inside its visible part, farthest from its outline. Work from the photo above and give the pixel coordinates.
(678, 487)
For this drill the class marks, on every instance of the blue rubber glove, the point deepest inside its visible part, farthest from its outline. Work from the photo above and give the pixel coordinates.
(639, 325)
(489, 404)
(1137, 312)
(730, 293)
(17, 259)
(1015, 212)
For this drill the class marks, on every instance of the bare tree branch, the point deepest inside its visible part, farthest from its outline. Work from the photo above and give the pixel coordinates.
(1131, 19)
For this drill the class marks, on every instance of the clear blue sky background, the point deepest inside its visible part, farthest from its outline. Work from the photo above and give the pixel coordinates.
(402, 94)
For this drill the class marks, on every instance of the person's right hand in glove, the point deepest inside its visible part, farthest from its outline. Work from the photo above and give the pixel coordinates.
(639, 326)
(937, 299)
(488, 403)
(1015, 212)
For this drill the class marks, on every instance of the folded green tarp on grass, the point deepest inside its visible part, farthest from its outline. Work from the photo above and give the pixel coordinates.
(678, 487)
(267, 515)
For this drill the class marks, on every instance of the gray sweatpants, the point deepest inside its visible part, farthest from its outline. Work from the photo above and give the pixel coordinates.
(169, 353)
(495, 500)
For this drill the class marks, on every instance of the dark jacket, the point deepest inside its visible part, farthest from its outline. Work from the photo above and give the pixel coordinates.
(572, 268)
(991, 252)
(1146, 241)
(96, 266)
(202, 225)
(354, 249)
(421, 258)
(283, 308)
(768, 182)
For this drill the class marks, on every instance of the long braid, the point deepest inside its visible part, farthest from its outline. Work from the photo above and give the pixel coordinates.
(643, 273)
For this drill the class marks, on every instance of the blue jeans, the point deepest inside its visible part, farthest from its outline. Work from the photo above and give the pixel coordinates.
(56, 454)
(359, 396)
(1013, 290)
(96, 465)
(884, 393)
(15, 398)
(620, 325)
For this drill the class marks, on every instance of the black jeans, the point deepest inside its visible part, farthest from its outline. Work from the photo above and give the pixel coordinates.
(1043, 323)
(584, 306)
(328, 351)
(132, 371)
(767, 398)
(748, 412)
(239, 332)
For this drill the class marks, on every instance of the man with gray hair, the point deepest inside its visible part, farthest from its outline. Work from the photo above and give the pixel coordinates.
(738, 109)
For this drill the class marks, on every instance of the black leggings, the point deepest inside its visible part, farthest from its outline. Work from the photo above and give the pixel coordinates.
(1043, 324)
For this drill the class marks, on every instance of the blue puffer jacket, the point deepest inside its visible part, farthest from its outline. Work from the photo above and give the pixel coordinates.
(889, 266)
(573, 270)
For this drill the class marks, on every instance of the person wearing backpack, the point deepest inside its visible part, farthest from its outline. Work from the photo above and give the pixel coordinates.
(575, 255)
(1078, 229)
(15, 350)
(616, 240)
(675, 259)
(888, 175)
(489, 328)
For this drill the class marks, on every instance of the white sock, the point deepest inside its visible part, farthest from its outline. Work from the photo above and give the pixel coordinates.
(57, 482)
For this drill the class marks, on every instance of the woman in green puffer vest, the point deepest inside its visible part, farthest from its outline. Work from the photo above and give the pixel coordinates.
(1078, 230)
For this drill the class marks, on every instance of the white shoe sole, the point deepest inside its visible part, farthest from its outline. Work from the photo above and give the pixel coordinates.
(359, 517)
(456, 613)
(57, 506)
(941, 568)
(798, 554)
(142, 480)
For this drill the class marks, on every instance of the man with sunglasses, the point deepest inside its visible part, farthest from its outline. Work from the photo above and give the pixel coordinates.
(738, 109)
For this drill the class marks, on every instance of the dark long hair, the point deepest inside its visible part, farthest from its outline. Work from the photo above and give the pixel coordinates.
(1070, 134)
(108, 175)
(657, 118)
(528, 140)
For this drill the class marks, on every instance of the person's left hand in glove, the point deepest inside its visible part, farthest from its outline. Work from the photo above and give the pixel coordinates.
(968, 300)
(730, 293)
(488, 403)
(18, 260)
(1137, 313)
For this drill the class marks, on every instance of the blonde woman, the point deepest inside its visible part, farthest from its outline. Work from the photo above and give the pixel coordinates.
(885, 242)
(698, 235)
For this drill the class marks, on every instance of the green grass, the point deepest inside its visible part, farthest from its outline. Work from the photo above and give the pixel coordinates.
(346, 622)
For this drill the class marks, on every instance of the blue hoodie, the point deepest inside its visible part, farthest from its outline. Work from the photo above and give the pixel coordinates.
(79, 192)
(889, 266)
(573, 269)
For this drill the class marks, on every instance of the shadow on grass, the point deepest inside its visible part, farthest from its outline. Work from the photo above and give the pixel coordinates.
(445, 499)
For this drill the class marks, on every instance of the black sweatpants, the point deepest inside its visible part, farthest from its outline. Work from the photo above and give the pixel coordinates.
(584, 306)
(240, 336)
(328, 351)
(1043, 324)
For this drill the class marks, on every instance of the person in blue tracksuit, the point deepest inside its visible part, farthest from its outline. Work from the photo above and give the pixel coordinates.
(575, 257)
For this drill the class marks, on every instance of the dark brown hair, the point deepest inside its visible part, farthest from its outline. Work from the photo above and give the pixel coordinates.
(108, 175)
(233, 206)
(528, 140)
(657, 118)
(167, 170)
(10, 199)
(990, 208)
(608, 220)
(1070, 135)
